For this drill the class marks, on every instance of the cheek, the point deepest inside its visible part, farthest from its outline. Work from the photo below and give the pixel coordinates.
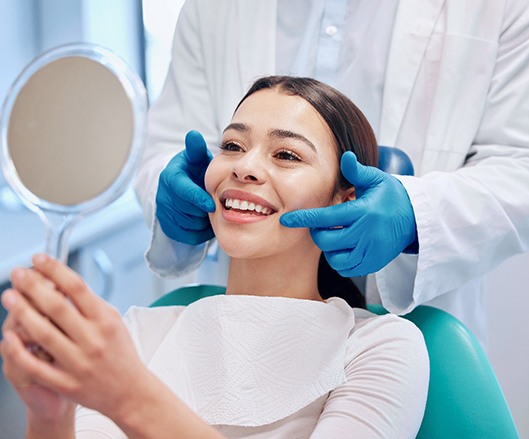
(212, 176)
(314, 192)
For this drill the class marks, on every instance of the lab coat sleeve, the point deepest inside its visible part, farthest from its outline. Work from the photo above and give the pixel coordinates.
(471, 220)
(184, 104)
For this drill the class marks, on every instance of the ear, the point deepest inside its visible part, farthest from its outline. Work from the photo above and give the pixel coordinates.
(343, 195)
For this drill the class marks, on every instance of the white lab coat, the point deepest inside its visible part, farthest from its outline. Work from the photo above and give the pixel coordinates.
(456, 98)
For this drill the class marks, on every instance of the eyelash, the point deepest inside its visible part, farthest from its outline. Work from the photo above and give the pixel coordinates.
(284, 154)
(292, 156)
(230, 146)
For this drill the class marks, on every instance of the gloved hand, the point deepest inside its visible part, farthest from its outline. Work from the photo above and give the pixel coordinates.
(362, 236)
(182, 204)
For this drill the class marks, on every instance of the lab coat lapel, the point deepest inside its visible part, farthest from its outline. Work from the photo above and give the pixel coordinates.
(257, 51)
(414, 23)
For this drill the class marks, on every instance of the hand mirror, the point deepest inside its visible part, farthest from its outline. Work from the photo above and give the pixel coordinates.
(72, 132)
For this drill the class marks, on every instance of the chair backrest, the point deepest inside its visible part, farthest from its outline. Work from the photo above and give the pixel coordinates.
(465, 400)
(394, 161)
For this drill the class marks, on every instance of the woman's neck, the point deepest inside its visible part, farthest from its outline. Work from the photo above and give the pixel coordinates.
(285, 276)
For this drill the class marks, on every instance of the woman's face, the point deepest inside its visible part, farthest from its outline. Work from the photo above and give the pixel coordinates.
(277, 155)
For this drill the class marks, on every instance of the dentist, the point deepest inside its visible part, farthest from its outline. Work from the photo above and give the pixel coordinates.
(447, 81)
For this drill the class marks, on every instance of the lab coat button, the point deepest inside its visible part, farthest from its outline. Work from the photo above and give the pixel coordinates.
(331, 30)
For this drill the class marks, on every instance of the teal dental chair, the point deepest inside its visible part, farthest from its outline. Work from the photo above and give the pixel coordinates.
(465, 400)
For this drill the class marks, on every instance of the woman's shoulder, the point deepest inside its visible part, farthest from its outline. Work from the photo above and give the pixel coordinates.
(374, 329)
(374, 326)
(388, 339)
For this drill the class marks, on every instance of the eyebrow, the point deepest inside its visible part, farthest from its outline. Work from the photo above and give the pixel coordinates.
(286, 134)
(275, 133)
(238, 127)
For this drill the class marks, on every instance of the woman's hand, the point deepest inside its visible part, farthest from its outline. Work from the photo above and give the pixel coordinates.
(44, 406)
(93, 360)
(90, 360)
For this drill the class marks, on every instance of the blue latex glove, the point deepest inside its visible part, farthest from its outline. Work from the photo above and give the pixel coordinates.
(362, 236)
(182, 204)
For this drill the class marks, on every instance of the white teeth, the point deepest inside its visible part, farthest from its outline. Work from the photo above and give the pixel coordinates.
(245, 205)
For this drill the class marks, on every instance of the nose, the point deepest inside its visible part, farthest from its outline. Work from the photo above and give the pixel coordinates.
(249, 168)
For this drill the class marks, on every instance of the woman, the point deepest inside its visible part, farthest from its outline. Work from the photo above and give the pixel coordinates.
(271, 358)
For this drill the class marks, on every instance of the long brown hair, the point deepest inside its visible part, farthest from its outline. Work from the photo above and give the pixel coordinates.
(351, 132)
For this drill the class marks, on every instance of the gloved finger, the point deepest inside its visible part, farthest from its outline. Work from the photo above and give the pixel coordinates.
(194, 195)
(186, 211)
(353, 272)
(196, 151)
(187, 230)
(190, 237)
(342, 214)
(180, 190)
(169, 218)
(360, 176)
(345, 260)
(331, 240)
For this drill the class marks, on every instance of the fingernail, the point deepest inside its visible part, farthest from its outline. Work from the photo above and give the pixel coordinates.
(18, 274)
(40, 259)
(8, 299)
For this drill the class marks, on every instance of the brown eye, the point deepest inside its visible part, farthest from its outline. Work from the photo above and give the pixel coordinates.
(287, 155)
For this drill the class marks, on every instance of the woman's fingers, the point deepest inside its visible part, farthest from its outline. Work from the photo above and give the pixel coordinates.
(70, 284)
(10, 324)
(42, 294)
(23, 369)
(40, 330)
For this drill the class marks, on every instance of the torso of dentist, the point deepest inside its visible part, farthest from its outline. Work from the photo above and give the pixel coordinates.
(446, 81)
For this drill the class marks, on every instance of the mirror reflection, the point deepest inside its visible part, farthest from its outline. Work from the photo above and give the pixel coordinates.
(64, 121)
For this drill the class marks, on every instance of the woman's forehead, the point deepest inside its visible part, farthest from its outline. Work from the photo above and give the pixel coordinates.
(272, 111)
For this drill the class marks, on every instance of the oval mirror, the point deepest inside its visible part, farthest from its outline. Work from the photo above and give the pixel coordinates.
(72, 132)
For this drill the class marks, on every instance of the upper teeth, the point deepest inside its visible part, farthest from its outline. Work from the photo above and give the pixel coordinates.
(245, 205)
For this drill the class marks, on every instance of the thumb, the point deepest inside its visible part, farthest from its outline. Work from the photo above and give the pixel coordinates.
(196, 149)
(357, 174)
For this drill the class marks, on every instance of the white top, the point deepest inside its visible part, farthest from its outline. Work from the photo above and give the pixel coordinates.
(265, 367)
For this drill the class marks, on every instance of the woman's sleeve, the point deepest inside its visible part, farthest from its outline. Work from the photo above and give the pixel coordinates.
(386, 386)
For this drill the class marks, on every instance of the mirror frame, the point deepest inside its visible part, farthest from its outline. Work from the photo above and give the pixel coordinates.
(134, 90)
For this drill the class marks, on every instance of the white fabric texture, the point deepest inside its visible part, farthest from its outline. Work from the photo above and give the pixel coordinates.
(278, 367)
(455, 98)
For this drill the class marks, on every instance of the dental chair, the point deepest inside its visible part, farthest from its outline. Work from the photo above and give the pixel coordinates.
(464, 401)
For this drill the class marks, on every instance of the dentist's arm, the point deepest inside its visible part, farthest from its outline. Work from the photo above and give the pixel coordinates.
(362, 236)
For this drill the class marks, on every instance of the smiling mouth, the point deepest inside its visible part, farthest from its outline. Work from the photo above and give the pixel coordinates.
(247, 207)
